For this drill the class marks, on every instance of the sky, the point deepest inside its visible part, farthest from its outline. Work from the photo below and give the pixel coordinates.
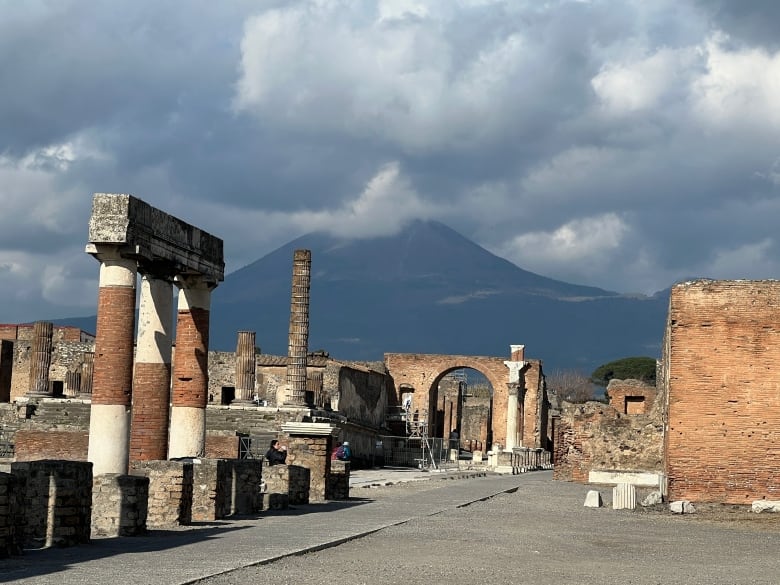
(621, 144)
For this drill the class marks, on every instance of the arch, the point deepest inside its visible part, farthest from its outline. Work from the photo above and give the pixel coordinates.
(422, 372)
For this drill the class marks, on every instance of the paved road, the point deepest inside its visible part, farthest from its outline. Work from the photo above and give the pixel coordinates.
(494, 529)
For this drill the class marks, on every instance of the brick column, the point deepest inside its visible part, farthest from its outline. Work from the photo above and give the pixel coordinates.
(109, 424)
(87, 369)
(299, 329)
(190, 369)
(152, 378)
(40, 359)
(245, 367)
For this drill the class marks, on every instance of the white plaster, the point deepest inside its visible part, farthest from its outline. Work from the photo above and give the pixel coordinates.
(188, 432)
(109, 438)
(195, 292)
(511, 421)
(116, 271)
(309, 429)
(155, 321)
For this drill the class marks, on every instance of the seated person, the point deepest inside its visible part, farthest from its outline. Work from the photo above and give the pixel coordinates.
(276, 454)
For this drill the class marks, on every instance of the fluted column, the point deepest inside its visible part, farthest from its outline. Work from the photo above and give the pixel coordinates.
(40, 359)
(109, 425)
(87, 368)
(72, 384)
(190, 369)
(512, 416)
(299, 329)
(152, 377)
(245, 367)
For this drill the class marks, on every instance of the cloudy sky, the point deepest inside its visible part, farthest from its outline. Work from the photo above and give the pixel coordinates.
(624, 144)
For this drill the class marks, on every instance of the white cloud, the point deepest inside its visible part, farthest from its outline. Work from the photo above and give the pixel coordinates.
(575, 241)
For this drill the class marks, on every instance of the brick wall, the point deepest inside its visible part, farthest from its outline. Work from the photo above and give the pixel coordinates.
(33, 444)
(721, 351)
(631, 396)
(594, 436)
(222, 445)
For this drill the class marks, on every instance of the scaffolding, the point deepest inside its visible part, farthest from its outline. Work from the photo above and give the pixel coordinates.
(417, 428)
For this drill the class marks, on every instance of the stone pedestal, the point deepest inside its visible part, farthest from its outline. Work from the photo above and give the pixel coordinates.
(119, 505)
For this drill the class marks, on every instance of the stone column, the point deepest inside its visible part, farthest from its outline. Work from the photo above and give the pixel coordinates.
(511, 416)
(447, 417)
(109, 424)
(87, 368)
(190, 369)
(152, 377)
(72, 384)
(40, 359)
(245, 368)
(299, 329)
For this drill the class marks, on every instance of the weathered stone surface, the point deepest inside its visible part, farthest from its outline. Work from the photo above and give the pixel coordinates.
(593, 499)
(766, 506)
(652, 499)
(682, 507)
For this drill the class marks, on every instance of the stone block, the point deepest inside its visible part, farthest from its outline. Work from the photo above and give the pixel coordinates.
(624, 496)
(682, 507)
(593, 499)
(766, 506)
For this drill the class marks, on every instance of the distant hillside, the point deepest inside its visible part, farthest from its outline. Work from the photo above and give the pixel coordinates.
(428, 289)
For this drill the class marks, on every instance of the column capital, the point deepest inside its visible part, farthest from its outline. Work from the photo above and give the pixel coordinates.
(516, 389)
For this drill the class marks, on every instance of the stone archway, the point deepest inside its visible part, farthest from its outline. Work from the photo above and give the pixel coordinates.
(518, 389)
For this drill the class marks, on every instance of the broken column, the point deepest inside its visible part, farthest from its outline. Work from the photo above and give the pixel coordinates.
(40, 359)
(87, 364)
(109, 424)
(299, 329)
(152, 377)
(245, 367)
(190, 369)
(72, 384)
(515, 386)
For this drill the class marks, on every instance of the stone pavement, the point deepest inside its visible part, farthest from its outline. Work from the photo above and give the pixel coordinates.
(185, 555)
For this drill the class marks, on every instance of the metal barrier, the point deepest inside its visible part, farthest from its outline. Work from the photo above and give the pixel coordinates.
(251, 448)
(6, 446)
(416, 452)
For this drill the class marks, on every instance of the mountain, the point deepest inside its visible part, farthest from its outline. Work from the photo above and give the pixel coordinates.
(428, 289)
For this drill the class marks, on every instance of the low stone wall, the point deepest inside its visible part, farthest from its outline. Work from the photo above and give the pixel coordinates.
(211, 488)
(34, 445)
(286, 484)
(119, 505)
(57, 501)
(11, 515)
(247, 476)
(223, 445)
(338, 480)
(312, 452)
(170, 492)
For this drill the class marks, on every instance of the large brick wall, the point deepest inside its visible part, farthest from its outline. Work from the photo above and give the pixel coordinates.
(34, 445)
(721, 351)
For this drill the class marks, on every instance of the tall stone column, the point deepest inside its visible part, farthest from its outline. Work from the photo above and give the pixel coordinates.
(512, 416)
(40, 359)
(87, 369)
(152, 377)
(190, 369)
(299, 329)
(245, 367)
(109, 424)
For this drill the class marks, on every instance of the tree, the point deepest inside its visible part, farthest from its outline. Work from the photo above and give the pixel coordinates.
(571, 386)
(636, 368)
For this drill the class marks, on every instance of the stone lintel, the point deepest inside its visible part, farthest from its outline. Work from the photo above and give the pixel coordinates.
(637, 478)
(309, 429)
(152, 235)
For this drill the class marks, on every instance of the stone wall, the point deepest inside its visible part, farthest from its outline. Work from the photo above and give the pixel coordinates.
(57, 500)
(12, 514)
(222, 445)
(286, 484)
(721, 350)
(211, 489)
(66, 356)
(595, 436)
(170, 491)
(119, 505)
(361, 394)
(338, 480)
(312, 452)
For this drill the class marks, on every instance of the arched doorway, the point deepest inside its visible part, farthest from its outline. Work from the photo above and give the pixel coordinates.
(462, 410)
